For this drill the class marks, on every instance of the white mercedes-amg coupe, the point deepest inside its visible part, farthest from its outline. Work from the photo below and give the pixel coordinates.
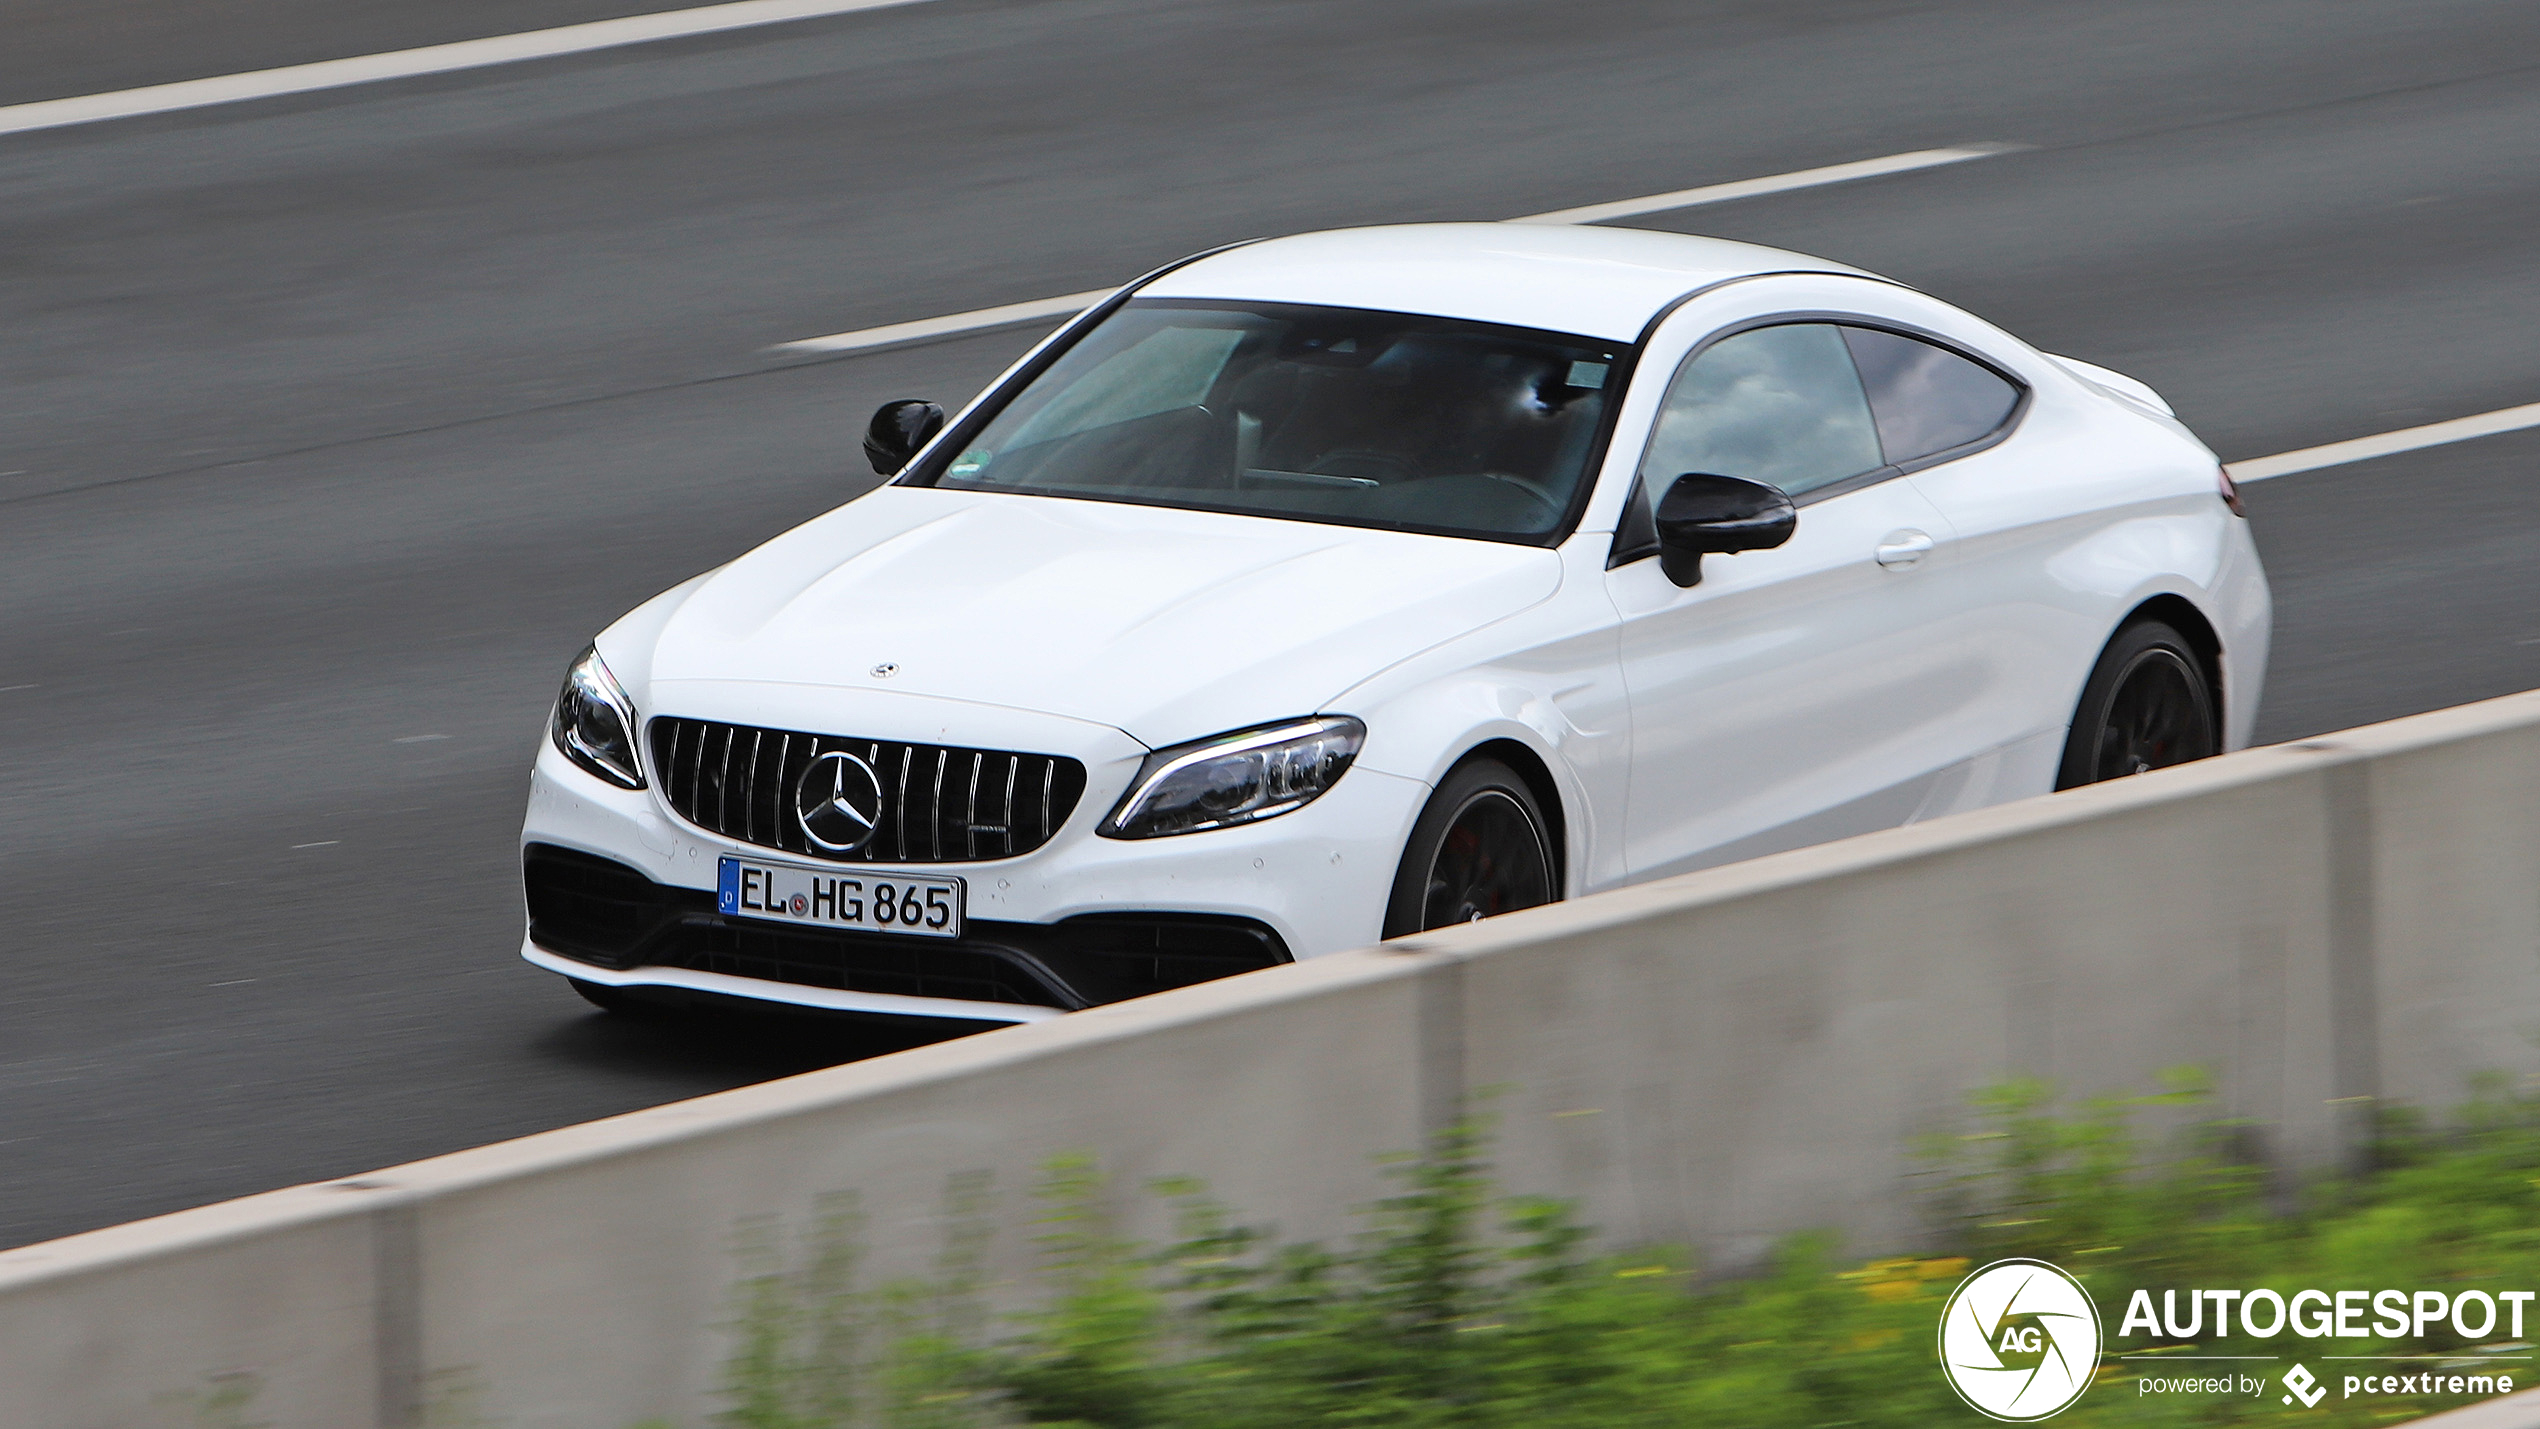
(1319, 590)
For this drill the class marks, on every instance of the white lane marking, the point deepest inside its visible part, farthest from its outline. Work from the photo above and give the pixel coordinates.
(925, 329)
(1016, 314)
(430, 59)
(2407, 439)
(1905, 163)
(419, 738)
(321, 843)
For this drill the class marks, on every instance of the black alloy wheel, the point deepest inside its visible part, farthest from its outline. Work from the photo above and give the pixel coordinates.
(1480, 849)
(2148, 705)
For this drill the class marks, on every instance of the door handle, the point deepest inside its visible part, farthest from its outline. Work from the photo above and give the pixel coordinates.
(1902, 549)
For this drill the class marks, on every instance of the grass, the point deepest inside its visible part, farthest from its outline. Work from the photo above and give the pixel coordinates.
(1458, 1306)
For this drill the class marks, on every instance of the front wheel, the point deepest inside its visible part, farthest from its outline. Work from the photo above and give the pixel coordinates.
(2147, 706)
(1481, 848)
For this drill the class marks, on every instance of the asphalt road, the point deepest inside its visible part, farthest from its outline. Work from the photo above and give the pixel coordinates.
(331, 426)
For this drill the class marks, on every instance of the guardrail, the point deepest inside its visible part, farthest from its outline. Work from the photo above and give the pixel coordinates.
(1717, 1059)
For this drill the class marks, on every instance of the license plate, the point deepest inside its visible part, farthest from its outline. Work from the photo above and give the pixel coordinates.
(856, 898)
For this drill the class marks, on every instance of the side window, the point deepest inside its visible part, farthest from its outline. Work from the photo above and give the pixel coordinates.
(1775, 404)
(1927, 399)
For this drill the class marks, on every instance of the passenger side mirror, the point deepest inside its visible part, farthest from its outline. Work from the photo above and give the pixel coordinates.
(1704, 515)
(897, 430)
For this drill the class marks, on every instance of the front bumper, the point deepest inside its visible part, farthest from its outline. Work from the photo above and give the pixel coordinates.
(621, 893)
(594, 916)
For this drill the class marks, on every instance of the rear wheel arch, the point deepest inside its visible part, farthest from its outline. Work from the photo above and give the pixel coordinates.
(2151, 701)
(2181, 615)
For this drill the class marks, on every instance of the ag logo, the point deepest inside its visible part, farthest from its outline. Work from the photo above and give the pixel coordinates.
(2019, 1340)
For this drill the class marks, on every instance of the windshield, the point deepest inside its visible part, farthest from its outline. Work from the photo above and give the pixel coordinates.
(1317, 414)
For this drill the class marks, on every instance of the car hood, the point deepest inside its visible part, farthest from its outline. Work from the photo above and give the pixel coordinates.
(1169, 625)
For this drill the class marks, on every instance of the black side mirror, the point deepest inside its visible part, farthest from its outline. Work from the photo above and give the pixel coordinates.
(1704, 515)
(897, 430)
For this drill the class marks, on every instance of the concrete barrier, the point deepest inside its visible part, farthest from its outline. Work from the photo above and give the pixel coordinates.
(2514, 1411)
(1717, 1059)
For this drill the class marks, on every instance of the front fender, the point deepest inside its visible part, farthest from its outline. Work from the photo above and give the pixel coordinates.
(1547, 679)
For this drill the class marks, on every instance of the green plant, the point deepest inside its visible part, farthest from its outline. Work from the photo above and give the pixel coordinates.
(812, 1349)
(222, 1402)
(1456, 1306)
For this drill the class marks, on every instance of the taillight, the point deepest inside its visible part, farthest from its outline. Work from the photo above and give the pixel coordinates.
(2230, 493)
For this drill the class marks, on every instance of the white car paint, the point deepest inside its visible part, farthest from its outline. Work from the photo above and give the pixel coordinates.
(1122, 615)
(1917, 648)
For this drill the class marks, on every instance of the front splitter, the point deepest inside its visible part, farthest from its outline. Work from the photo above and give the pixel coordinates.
(762, 990)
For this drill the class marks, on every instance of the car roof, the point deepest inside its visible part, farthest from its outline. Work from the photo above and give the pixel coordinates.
(1598, 282)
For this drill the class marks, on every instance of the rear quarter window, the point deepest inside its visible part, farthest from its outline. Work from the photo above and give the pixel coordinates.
(1925, 398)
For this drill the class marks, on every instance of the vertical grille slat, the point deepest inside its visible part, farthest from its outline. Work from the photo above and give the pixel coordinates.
(935, 823)
(775, 796)
(908, 755)
(738, 781)
(749, 791)
(697, 769)
(670, 762)
(970, 818)
(883, 849)
(723, 779)
(1013, 767)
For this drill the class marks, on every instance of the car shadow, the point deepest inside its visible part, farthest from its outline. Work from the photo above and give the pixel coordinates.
(715, 1047)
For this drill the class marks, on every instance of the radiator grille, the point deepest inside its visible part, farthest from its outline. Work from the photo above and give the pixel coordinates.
(940, 804)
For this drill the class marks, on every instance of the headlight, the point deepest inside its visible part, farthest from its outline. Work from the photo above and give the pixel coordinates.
(1235, 778)
(594, 723)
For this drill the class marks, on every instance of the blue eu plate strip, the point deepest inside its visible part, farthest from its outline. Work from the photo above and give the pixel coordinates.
(727, 886)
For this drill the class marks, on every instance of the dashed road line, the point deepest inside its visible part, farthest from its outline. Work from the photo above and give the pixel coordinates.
(1904, 163)
(873, 339)
(2406, 439)
(429, 59)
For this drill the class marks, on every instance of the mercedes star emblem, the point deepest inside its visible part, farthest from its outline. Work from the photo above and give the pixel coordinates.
(838, 802)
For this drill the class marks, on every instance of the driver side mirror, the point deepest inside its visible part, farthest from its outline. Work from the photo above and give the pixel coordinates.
(897, 430)
(1703, 514)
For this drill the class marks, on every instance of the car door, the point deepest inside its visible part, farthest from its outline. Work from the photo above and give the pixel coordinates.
(1786, 698)
(1954, 421)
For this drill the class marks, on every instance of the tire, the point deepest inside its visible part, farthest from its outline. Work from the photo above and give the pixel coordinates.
(2147, 705)
(1482, 847)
